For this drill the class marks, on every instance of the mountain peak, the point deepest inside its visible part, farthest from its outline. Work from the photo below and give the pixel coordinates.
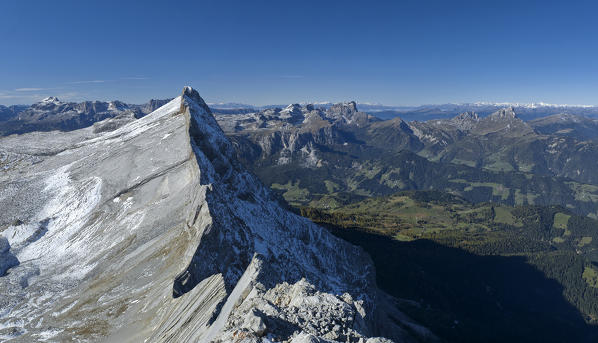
(193, 95)
(343, 108)
(50, 99)
(292, 110)
(466, 120)
(352, 105)
(292, 107)
(507, 112)
(504, 120)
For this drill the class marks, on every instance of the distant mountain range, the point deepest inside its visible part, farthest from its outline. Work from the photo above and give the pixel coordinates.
(53, 114)
(325, 157)
(433, 111)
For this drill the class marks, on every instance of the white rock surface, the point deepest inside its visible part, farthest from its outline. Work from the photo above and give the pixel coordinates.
(153, 232)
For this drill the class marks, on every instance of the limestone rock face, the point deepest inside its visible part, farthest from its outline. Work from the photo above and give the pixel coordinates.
(347, 113)
(153, 232)
(295, 134)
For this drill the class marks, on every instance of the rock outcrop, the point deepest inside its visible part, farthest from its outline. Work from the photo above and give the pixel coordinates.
(153, 232)
(347, 113)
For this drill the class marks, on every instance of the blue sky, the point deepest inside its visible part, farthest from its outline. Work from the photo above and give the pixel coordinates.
(263, 52)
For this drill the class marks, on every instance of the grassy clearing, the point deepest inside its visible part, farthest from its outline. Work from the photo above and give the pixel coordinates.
(331, 187)
(525, 198)
(326, 202)
(584, 241)
(590, 275)
(464, 162)
(503, 215)
(405, 218)
(561, 220)
(402, 215)
(500, 166)
(293, 193)
(524, 167)
(498, 162)
(369, 171)
(497, 189)
(583, 192)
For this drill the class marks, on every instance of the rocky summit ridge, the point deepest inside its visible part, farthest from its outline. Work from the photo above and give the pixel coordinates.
(152, 231)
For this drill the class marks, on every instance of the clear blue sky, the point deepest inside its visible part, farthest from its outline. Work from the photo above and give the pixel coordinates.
(261, 52)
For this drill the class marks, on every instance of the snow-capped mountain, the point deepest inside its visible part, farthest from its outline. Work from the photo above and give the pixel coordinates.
(151, 231)
(526, 105)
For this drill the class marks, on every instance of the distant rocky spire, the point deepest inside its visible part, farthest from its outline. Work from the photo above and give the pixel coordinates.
(342, 109)
(466, 120)
(467, 116)
(507, 112)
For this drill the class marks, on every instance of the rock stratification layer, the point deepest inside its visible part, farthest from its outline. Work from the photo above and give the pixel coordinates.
(154, 232)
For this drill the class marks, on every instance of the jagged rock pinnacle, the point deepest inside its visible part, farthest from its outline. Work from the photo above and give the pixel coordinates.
(508, 112)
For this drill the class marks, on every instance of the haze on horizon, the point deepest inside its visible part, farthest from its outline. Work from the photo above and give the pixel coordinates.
(387, 52)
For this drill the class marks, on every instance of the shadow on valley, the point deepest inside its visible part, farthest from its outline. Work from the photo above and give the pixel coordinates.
(464, 297)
